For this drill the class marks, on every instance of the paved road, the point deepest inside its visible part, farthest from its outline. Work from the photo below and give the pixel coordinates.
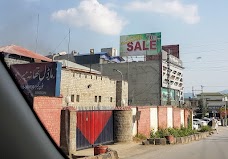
(213, 147)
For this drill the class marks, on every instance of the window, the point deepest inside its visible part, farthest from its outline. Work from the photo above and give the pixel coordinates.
(110, 99)
(72, 98)
(77, 98)
(95, 98)
(99, 98)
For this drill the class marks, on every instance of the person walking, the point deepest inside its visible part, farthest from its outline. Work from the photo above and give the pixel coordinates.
(215, 124)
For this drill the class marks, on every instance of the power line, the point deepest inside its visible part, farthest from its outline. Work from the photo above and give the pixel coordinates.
(202, 45)
(61, 42)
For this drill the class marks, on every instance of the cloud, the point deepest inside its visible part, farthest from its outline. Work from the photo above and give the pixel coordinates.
(175, 8)
(92, 15)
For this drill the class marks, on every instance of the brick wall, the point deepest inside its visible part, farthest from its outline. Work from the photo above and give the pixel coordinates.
(87, 86)
(176, 118)
(162, 117)
(48, 110)
(144, 122)
(186, 116)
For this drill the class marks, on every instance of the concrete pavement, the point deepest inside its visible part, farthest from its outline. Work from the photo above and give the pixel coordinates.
(213, 147)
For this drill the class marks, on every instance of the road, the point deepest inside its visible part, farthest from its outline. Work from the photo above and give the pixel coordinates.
(213, 147)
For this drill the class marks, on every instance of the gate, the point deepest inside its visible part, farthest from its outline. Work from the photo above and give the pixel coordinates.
(94, 128)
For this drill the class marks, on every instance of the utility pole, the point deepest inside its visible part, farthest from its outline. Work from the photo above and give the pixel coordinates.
(203, 105)
(168, 77)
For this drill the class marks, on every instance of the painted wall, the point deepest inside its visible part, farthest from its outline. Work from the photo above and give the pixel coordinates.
(158, 117)
(154, 119)
(170, 117)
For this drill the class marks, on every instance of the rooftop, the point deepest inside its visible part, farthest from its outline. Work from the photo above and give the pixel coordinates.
(18, 50)
(73, 66)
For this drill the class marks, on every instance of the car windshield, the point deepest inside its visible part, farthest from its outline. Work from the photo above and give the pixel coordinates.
(100, 72)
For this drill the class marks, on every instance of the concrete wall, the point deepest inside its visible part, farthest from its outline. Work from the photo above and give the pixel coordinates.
(144, 80)
(121, 93)
(86, 87)
(48, 110)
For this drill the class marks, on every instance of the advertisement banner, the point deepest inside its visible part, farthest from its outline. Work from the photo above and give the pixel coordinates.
(140, 44)
(38, 79)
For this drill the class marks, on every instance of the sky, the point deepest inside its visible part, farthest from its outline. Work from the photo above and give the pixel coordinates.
(199, 27)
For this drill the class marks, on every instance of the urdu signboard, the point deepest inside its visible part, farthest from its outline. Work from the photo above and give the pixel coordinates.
(38, 79)
(140, 44)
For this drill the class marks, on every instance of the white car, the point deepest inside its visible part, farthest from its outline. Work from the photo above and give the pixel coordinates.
(207, 120)
(195, 125)
(200, 122)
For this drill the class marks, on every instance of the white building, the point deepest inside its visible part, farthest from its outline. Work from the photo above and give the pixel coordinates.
(176, 75)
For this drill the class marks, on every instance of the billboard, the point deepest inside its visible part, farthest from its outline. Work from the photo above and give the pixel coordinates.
(38, 79)
(140, 44)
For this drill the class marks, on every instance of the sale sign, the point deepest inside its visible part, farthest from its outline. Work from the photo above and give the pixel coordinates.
(140, 44)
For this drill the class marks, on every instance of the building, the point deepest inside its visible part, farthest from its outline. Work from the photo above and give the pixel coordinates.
(172, 79)
(147, 80)
(14, 54)
(212, 102)
(87, 89)
(148, 83)
(107, 55)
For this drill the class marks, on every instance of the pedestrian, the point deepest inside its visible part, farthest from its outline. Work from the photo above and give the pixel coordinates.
(215, 124)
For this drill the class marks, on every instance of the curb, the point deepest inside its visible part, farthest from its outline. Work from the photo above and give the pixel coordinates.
(178, 140)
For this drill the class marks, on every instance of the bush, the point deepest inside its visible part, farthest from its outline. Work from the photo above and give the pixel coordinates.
(141, 136)
(161, 133)
(205, 129)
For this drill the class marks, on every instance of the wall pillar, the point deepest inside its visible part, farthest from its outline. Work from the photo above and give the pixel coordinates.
(122, 125)
(68, 130)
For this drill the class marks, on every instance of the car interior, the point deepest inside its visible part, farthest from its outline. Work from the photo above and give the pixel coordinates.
(22, 134)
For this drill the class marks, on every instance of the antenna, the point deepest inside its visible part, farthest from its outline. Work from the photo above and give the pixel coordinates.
(37, 31)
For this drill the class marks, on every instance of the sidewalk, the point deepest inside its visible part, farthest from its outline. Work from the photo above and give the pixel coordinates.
(124, 149)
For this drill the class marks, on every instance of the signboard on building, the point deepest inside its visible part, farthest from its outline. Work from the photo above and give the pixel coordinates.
(164, 94)
(172, 59)
(38, 79)
(140, 44)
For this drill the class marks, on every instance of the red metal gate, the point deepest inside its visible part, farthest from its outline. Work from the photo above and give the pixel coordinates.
(94, 128)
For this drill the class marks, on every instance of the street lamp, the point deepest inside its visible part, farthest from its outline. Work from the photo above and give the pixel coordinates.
(224, 99)
(120, 73)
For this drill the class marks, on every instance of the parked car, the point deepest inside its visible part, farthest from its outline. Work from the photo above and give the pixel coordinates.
(200, 122)
(207, 120)
(195, 125)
